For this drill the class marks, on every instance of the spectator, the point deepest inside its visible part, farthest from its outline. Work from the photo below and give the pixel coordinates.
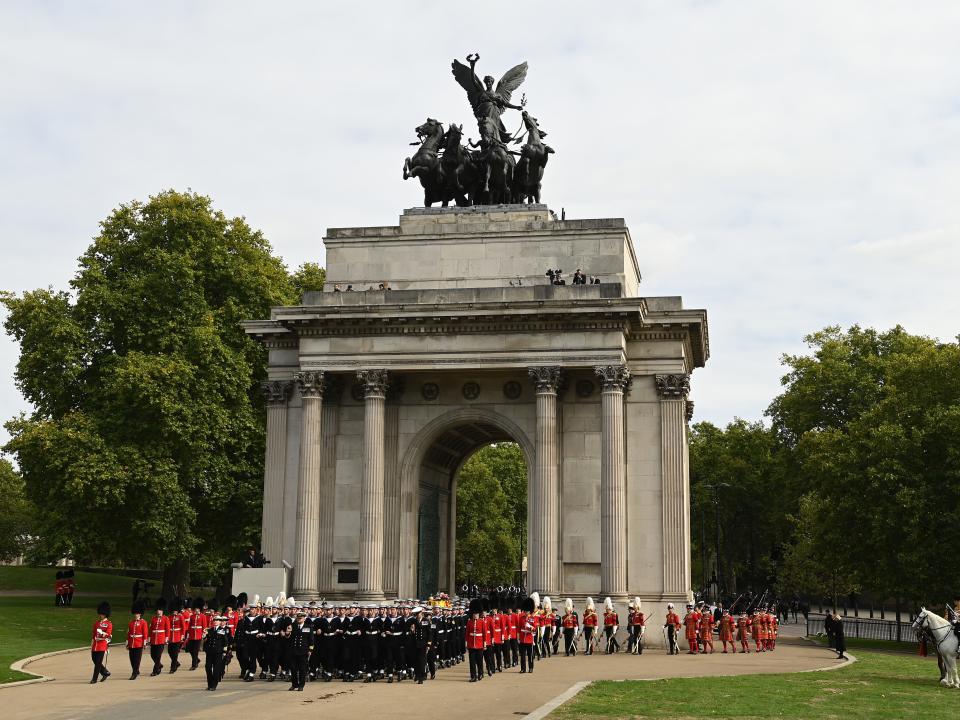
(253, 559)
(828, 629)
(349, 288)
(579, 278)
(839, 639)
(336, 287)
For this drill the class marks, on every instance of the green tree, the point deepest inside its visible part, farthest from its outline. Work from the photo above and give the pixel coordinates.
(871, 420)
(145, 444)
(16, 514)
(491, 522)
(308, 277)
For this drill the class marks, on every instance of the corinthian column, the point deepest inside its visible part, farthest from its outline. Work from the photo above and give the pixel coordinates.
(615, 379)
(277, 393)
(673, 390)
(307, 553)
(371, 513)
(544, 552)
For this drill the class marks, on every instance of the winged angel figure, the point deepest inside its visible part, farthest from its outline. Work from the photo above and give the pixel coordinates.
(488, 104)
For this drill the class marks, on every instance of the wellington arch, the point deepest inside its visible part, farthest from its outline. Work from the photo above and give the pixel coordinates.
(375, 399)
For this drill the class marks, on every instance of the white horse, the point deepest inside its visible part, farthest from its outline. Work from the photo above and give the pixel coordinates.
(946, 643)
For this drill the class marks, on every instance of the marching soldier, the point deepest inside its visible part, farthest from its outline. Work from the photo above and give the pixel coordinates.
(102, 634)
(691, 624)
(756, 626)
(159, 636)
(370, 642)
(216, 643)
(727, 626)
(546, 622)
(743, 632)
(672, 628)
(526, 633)
(196, 625)
(301, 643)
(246, 642)
(611, 623)
(476, 631)
(423, 640)
(637, 622)
(706, 629)
(571, 626)
(137, 632)
(590, 620)
(178, 634)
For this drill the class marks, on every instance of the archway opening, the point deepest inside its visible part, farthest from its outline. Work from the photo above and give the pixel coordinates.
(472, 515)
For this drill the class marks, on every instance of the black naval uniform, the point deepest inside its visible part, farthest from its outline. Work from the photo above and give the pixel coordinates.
(300, 643)
(371, 642)
(423, 641)
(248, 645)
(215, 645)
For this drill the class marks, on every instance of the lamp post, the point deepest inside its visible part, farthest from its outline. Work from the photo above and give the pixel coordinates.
(468, 565)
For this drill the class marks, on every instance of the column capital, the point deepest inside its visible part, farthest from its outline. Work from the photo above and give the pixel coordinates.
(614, 377)
(375, 382)
(310, 383)
(547, 378)
(673, 387)
(277, 392)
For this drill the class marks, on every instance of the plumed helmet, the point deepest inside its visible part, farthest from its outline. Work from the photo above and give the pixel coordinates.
(630, 603)
(269, 601)
(256, 599)
(137, 608)
(104, 608)
(290, 601)
(568, 605)
(161, 604)
(527, 605)
(476, 606)
(636, 603)
(669, 606)
(546, 603)
(608, 604)
(590, 605)
(281, 599)
(535, 596)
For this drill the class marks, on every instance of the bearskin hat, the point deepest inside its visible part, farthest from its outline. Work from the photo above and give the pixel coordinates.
(494, 600)
(198, 603)
(485, 604)
(161, 604)
(476, 606)
(231, 602)
(176, 605)
(68, 573)
(241, 599)
(137, 608)
(59, 575)
(104, 608)
(528, 605)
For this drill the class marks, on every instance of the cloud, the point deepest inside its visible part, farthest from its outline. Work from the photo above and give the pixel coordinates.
(784, 165)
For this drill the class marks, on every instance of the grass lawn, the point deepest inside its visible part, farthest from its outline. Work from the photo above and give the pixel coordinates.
(41, 580)
(33, 625)
(880, 685)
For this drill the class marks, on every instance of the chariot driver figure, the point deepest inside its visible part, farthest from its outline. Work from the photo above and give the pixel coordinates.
(489, 103)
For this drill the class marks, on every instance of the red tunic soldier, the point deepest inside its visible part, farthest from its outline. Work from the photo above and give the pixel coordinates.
(178, 634)
(706, 629)
(590, 620)
(476, 632)
(159, 636)
(571, 625)
(743, 632)
(526, 633)
(756, 627)
(637, 622)
(102, 634)
(195, 628)
(137, 632)
(672, 628)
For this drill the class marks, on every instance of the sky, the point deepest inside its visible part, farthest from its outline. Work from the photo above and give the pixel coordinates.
(785, 165)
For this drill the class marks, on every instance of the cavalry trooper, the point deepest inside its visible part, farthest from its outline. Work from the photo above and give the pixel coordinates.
(571, 626)
(611, 623)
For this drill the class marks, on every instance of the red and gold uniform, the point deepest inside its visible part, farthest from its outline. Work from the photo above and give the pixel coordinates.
(727, 626)
(743, 633)
(672, 626)
(773, 631)
(756, 626)
(691, 624)
(706, 630)
(590, 621)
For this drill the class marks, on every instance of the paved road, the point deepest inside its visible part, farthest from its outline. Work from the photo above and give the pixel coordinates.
(506, 695)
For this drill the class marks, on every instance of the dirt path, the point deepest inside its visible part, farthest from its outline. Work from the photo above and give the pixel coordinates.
(506, 695)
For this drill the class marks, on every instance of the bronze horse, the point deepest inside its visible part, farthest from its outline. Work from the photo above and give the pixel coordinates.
(533, 158)
(425, 163)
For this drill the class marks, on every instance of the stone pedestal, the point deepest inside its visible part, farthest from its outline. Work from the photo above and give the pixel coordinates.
(307, 559)
(371, 516)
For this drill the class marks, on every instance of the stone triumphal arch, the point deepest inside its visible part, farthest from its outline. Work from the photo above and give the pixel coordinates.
(376, 398)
